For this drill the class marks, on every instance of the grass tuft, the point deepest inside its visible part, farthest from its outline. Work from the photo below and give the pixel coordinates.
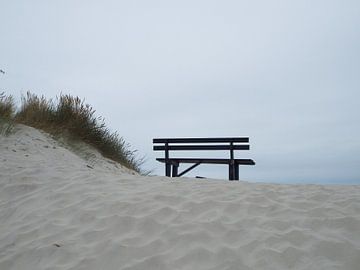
(36, 112)
(7, 106)
(71, 117)
(7, 111)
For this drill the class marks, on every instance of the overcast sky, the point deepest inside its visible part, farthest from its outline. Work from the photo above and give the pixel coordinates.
(285, 73)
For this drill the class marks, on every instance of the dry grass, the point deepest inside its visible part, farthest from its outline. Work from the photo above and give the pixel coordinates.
(36, 112)
(7, 111)
(71, 117)
(7, 106)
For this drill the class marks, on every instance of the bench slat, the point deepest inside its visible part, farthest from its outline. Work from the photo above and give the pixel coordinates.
(201, 147)
(209, 160)
(202, 140)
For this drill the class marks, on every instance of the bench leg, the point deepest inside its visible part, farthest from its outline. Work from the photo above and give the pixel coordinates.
(231, 172)
(168, 169)
(175, 168)
(236, 172)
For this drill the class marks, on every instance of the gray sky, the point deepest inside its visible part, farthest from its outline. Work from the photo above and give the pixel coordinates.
(285, 73)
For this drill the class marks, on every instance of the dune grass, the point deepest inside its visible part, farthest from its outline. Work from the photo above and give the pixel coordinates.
(71, 117)
(7, 112)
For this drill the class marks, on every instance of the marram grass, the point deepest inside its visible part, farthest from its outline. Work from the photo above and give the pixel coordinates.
(7, 106)
(7, 111)
(71, 117)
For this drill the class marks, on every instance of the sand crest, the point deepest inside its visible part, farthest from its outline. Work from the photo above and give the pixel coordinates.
(61, 210)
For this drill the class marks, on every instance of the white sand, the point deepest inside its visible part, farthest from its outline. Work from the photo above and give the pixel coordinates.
(57, 213)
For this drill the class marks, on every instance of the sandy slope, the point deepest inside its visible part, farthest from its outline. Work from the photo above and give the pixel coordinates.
(60, 211)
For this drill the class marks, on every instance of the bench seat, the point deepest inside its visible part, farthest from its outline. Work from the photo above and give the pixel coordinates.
(209, 160)
(175, 162)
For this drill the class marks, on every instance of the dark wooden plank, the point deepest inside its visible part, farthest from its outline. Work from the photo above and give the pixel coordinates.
(202, 140)
(244, 162)
(209, 161)
(201, 147)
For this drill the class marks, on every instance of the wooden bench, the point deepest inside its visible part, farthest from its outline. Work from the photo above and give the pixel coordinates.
(199, 144)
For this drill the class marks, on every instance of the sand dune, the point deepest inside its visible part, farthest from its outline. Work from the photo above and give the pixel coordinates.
(61, 210)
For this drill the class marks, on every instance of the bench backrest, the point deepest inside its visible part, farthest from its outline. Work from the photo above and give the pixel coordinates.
(189, 144)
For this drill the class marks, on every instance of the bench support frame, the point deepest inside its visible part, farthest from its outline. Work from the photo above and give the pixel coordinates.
(187, 144)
